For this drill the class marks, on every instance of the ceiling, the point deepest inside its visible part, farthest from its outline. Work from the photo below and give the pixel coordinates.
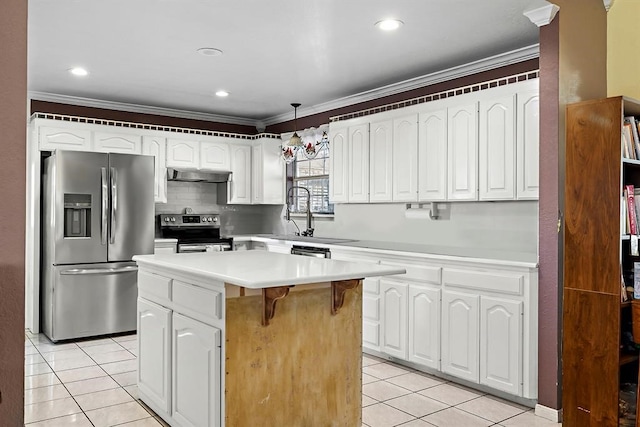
(275, 52)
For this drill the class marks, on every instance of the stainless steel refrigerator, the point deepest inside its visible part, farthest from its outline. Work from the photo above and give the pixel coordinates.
(98, 211)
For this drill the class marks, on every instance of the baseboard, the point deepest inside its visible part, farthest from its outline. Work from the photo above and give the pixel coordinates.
(550, 414)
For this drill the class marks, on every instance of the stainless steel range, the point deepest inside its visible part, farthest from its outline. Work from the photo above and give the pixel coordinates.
(195, 232)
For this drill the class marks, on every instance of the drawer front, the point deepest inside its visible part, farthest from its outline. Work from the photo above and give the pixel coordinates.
(371, 286)
(371, 335)
(423, 274)
(196, 300)
(502, 282)
(154, 287)
(371, 307)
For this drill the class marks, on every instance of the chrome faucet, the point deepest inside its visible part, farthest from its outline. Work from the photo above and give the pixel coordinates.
(309, 230)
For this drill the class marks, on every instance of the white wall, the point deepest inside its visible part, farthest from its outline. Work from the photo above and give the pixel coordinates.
(511, 226)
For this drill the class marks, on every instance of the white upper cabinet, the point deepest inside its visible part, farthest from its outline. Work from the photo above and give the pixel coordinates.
(528, 144)
(381, 155)
(432, 156)
(214, 155)
(405, 159)
(63, 137)
(111, 142)
(183, 153)
(156, 146)
(462, 135)
(497, 148)
(338, 162)
(268, 181)
(239, 187)
(358, 155)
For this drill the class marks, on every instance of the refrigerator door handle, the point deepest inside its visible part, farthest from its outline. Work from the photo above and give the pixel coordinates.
(114, 204)
(78, 271)
(105, 206)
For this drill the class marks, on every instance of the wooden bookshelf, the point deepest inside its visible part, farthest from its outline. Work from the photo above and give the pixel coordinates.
(592, 257)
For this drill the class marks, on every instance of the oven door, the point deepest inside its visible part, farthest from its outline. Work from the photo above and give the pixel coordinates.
(203, 247)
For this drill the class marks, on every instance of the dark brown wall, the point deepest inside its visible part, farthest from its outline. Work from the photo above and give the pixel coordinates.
(13, 95)
(549, 292)
(573, 58)
(152, 119)
(321, 118)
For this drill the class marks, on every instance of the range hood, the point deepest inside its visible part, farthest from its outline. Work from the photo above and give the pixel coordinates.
(186, 175)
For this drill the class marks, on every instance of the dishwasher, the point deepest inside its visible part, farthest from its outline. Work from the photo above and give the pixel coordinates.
(311, 251)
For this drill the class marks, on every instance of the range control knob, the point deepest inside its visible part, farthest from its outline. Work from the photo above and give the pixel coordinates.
(166, 219)
(215, 219)
(173, 219)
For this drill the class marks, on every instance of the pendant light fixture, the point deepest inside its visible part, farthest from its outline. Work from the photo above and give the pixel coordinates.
(295, 144)
(290, 149)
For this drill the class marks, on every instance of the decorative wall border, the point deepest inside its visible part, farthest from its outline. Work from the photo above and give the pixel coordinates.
(503, 81)
(132, 125)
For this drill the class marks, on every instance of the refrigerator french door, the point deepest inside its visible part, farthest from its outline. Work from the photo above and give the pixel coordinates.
(98, 213)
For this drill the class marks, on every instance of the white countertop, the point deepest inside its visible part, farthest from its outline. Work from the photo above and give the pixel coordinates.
(261, 269)
(483, 255)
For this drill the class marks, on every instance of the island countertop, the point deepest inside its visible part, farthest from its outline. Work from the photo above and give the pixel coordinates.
(261, 269)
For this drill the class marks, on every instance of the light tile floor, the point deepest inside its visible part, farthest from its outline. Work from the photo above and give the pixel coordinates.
(93, 383)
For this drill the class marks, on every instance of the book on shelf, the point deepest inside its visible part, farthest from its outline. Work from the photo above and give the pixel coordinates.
(631, 121)
(631, 208)
(623, 291)
(629, 146)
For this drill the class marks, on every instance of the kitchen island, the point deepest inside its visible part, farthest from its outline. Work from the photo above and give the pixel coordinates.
(251, 338)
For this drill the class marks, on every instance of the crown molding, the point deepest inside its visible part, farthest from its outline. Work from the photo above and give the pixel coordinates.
(136, 108)
(490, 63)
(542, 15)
(486, 64)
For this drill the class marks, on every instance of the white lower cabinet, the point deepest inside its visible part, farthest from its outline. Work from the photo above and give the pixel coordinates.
(460, 334)
(424, 326)
(394, 318)
(154, 347)
(371, 313)
(501, 344)
(195, 373)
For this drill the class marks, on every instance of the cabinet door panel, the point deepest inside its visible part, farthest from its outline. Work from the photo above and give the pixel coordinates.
(424, 326)
(240, 184)
(394, 318)
(108, 142)
(497, 149)
(371, 335)
(196, 376)
(528, 145)
(460, 335)
(432, 156)
(154, 353)
(381, 155)
(338, 162)
(63, 138)
(214, 156)
(462, 152)
(156, 147)
(182, 153)
(501, 344)
(405, 159)
(359, 164)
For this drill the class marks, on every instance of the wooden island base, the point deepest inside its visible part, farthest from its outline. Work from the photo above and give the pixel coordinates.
(303, 369)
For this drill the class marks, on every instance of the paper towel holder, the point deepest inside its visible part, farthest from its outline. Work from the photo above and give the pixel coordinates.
(432, 206)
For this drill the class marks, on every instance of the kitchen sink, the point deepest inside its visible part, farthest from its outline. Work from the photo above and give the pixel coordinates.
(294, 238)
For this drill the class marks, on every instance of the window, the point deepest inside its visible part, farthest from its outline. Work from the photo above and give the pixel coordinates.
(312, 174)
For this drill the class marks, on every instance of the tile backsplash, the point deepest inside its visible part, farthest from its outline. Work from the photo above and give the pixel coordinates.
(234, 219)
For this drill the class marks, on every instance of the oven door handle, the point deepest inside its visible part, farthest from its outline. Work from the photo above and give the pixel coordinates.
(192, 248)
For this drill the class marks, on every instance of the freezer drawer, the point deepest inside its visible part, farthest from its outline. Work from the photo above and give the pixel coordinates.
(86, 300)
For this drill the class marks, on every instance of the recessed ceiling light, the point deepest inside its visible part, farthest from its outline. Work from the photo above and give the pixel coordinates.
(209, 51)
(222, 93)
(389, 24)
(78, 71)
